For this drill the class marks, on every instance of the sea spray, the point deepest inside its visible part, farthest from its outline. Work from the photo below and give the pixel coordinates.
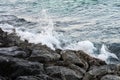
(105, 55)
(86, 46)
(46, 37)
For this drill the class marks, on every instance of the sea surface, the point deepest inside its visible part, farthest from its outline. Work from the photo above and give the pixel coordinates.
(64, 24)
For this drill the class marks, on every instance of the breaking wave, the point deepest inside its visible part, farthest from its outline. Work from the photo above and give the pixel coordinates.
(75, 24)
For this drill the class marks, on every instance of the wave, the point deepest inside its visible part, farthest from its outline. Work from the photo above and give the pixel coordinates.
(48, 36)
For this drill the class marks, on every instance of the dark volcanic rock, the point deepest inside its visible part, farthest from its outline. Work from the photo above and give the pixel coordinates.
(7, 40)
(98, 72)
(38, 77)
(44, 56)
(4, 41)
(71, 57)
(63, 73)
(13, 51)
(2, 78)
(110, 77)
(91, 61)
(81, 59)
(27, 78)
(13, 67)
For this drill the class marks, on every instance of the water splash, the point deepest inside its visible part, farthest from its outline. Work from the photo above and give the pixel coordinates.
(105, 55)
(47, 35)
(87, 46)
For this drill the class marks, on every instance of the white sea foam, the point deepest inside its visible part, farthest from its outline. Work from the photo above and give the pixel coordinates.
(45, 39)
(86, 46)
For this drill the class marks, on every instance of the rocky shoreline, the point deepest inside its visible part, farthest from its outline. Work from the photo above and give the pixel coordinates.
(21, 60)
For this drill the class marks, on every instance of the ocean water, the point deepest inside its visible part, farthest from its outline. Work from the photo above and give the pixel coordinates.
(65, 24)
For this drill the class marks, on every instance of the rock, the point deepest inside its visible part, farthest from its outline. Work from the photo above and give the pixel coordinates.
(98, 72)
(110, 77)
(72, 57)
(27, 78)
(43, 56)
(38, 77)
(91, 61)
(13, 51)
(14, 40)
(77, 69)
(74, 67)
(1, 31)
(14, 67)
(63, 73)
(4, 41)
(2, 78)
(80, 59)
(8, 40)
(45, 77)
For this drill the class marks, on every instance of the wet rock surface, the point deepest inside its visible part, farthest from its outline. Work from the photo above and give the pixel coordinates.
(63, 73)
(44, 56)
(110, 77)
(13, 51)
(21, 60)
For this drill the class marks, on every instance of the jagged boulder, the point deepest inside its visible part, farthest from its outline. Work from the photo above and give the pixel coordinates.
(71, 57)
(43, 56)
(98, 72)
(63, 73)
(14, 67)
